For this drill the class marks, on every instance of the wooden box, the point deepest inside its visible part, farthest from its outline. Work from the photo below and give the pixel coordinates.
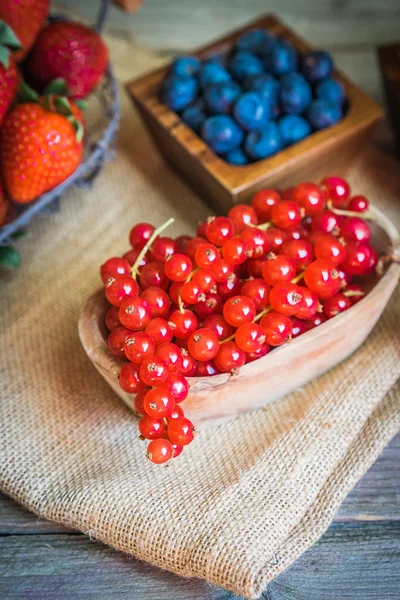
(389, 57)
(221, 184)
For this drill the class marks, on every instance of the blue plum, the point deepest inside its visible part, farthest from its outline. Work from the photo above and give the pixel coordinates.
(293, 128)
(221, 133)
(317, 65)
(332, 91)
(261, 143)
(236, 157)
(296, 94)
(251, 112)
(244, 64)
(185, 66)
(322, 114)
(177, 91)
(220, 97)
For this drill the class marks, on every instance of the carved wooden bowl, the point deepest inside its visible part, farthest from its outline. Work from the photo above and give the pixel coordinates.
(259, 383)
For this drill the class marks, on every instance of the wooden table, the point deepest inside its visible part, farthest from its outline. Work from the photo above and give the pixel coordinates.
(359, 555)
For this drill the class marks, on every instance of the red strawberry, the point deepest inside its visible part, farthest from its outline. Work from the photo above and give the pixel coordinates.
(69, 51)
(39, 149)
(4, 205)
(25, 18)
(8, 71)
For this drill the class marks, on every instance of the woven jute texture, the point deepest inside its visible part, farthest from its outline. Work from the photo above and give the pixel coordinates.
(246, 498)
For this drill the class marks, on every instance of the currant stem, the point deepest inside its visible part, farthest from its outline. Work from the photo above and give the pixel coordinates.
(262, 314)
(298, 277)
(351, 213)
(265, 226)
(351, 293)
(156, 233)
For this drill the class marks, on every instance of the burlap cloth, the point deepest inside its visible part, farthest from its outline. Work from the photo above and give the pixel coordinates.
(247, 498)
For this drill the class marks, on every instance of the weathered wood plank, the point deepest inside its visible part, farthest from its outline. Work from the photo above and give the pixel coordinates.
(357, 561)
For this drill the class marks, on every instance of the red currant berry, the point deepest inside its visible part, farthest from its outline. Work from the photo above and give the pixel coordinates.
(152, 275)
(177, 386)
(256, 240)
(171, 354)
(276, 237)
(188, 364)
(206, 368)
(229, 288)
(191, 292)
(254, 267)
(219, 326)
(204, 279)
(300, 251)
(158, 301)
(250, 337)
(263, 351)
(176, 450)
(120, 288)
(192, 246)
(335, 305)
(159, 403)
(258, 290)
(286, 215)
(239, 310)
(373, 260)
(138, 346)
(316, 320)
(206, 256)
(153, 371)
(151, 429)
(299, 327)
(112, 318)
(183, 323)
(287, 193)
(277, 328)
(355, 293)
(222, 270)
(330, 248)
(219, 230)
(178, 267)
(263, 203)
(286, 298)
(159, 451)
(243, 215)
(358, 257)
(163, 248)
(230, 357)
(327, 222)
(300, 233)
(358, 204)
(134, 313)
(138, 401)
(181, 431)
(114, 267)
(132, 255)
(177, 413)
(310, 306)
(309, 197)
(116, 341)
(181, 243)
(338, 190)
(129, 379)
(211, 306)
(345, 278)
(278, 269)
(203, 344)
(355, 230)
(140, 235)
(201, 229)
(235, 251)
(322, 277)
(159, 330)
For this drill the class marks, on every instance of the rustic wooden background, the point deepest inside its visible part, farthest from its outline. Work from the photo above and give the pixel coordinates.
(359, 556)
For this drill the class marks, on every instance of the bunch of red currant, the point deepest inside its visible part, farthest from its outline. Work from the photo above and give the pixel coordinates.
(198, 306)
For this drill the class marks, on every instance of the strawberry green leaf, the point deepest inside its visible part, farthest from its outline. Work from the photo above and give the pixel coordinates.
(8, 37)
(82, 104)
(77, 125)
(9, 257)
(57, 86)
(26, 93)
(63, 106)
(4, 57)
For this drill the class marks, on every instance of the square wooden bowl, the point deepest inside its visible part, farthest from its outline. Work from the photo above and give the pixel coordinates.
(329, 151)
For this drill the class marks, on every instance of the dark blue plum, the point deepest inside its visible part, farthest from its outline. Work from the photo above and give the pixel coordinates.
(186, 65)
(322, 114)
(244, 64)
(213, 72)
(266, 86)
(236, 157)
(216, 59)
(293, 128)
(296, 94)
(251, 112)
(253, 41)
(281, 58)
(178, 91)
(220, 97)
(332, 91)
(194, 116)
(264, 142)
(317, 65)
(221, 133)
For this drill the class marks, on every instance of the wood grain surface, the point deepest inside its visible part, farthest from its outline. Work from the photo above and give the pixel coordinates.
(358, 558)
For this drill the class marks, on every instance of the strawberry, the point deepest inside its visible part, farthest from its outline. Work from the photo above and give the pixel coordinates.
(4, 205)
(69, 51)
(39, 148)
(25, 17)
(9, 76)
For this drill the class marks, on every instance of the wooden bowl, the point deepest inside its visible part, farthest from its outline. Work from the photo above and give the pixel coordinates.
(213, 399)
(221, 184)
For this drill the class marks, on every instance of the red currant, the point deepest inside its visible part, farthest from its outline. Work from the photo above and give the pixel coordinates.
(138, 346)
(286, 215)
(203, 344)
(112, 318)
(206, 256)
(338, 190)
(178, 267)
(138, 401)
(309, 197)
(239, 310)
(263, 203)
(254, 267)
(310, 306)
(114, 267)
(152, 275)
(256, 240)
(181, 431)
(158, 403)
(188, 368)
(206, 368)
(132, 255)
(358, 204)
(287, 193)
(278, 269)
(222, 270)
(299, 327)
(191, 292)
(230, 357)
(263, 351)
(335, 305)
(322, 277)
(201, 229)
(356, 293)
(358, 259)
(176, 450)
(129, 379)
(177, 386)
(276, 237)
(243, 215)
(192, 246)
(159, 451)
(158, 301)
(163, 248)
(327, 222)
(134, 313)
(277, 328)
(300, 251)
(211, 306)
(330, 248)
(204, 279)
(219, 230)
(177, 413)
(235, 251)
(151, 429)
(171, 354)
(153, 371)
(355, 230)
(316, 320)
(116, 341)
(258, 290)
(181, 243)
(229, 288)
(159, 330)
(250, 337)
(120, 288)
(286, 298)
(183, 323)
(140, 235)
(218, 325)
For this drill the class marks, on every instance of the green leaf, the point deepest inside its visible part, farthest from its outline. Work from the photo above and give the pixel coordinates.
(77, 125)
(9, 257)
(63, 106)
(82, 104)
(57, 86)
(26, 93)
(18, 234)
(4, 57)
(8, 37)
